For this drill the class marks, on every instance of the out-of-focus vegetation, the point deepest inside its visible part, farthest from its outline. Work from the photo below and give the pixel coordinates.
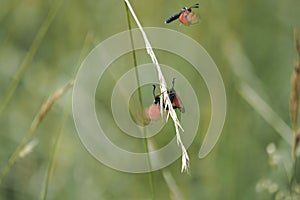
(253, 46)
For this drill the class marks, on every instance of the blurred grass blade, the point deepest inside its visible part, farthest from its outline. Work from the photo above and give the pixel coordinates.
(294, 98)
(39, 117)
(175, 194)
(262, 108)
(241, 65)
(250, 88)
(30, 54)
(86, 48)
(84, 51)
(51, 165)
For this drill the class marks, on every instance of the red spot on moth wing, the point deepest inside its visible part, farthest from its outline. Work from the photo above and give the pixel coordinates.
(178, 104)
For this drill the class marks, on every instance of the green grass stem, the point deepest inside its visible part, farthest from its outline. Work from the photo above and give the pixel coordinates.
(54, 151)
(141, 106)
(30, 54)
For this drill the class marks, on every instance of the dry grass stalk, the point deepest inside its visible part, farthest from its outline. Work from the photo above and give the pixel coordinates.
(19, 152)
(294, 99)
(48, 105)
(163, 88)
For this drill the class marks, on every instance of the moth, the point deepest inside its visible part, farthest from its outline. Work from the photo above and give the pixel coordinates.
(185, 16)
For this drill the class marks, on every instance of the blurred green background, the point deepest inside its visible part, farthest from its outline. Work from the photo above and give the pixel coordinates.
(252, 44)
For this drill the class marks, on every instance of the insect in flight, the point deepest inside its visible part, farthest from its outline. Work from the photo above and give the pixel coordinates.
(153, 112)
(185, 16)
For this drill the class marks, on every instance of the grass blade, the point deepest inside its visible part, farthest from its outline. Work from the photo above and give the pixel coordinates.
(39, 117)
(30, 54)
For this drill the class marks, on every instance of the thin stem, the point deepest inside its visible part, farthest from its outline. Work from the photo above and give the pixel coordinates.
(294, 108)
(294, 100)
(51, 165)
(135, 63)
(36, 122)
(163, 90)
(141, 106)
(265, 111)
(29, 57)
(84, 51)
(173, 187)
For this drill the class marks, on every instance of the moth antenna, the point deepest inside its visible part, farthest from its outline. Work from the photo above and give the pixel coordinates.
(194, 6)
(153, 91)
(173, 82)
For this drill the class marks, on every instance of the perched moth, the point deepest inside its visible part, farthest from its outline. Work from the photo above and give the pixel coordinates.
(153, 111)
